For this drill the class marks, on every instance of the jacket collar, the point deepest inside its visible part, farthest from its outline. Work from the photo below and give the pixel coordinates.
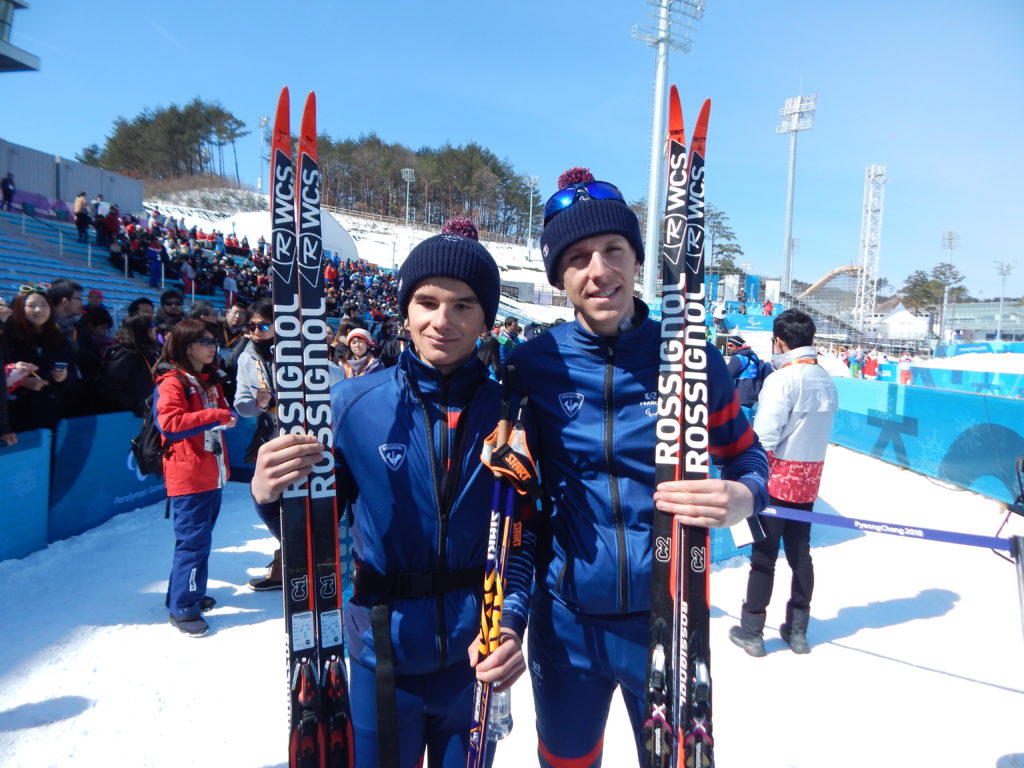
(426, 380)
(794, 354)
(642, 326)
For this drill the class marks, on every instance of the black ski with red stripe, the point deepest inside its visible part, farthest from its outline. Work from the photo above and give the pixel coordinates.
(320, 726)
(677, 725)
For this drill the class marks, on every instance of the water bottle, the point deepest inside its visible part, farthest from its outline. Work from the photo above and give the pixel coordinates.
(500, 721)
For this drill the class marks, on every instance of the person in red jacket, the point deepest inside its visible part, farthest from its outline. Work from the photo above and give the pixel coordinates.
(190, 411)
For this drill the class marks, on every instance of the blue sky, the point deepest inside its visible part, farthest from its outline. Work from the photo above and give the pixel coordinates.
(932, 90)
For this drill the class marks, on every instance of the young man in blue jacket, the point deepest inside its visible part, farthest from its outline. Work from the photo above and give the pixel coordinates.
(592, 387)
(408, 441)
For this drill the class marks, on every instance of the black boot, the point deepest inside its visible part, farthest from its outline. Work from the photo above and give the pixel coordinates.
(273, 578)
(794, 630)
(749, 635)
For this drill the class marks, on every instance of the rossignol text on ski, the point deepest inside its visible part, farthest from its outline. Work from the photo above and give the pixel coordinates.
(320, 725)
(677, 724)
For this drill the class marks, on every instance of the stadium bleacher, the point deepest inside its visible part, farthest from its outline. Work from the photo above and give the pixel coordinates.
(34, 251)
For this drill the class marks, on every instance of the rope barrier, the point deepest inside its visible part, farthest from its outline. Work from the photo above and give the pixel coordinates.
(872, 526)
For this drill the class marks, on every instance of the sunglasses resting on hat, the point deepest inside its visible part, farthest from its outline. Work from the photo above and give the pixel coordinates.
(587, 190)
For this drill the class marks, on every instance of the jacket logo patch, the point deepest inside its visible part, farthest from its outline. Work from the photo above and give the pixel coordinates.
(571, 403)
(393, 455)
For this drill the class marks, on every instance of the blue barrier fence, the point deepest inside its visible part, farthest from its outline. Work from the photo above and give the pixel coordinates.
(26, 480)
(969, 440)
(59, 485)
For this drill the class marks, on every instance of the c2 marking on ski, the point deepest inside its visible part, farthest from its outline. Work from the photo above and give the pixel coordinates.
(663, 549)
(697, 559)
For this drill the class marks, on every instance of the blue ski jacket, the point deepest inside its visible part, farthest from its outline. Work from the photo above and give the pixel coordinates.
(408, 443)
(593, 401)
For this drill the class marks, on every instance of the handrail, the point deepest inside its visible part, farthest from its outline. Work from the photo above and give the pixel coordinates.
(58, 230)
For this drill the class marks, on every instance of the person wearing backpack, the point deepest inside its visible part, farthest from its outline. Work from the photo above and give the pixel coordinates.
(747, 372)
(190, 411)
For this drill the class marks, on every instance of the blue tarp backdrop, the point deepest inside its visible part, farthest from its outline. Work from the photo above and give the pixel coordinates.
(94, 475)
(969, 440)
(25, 469)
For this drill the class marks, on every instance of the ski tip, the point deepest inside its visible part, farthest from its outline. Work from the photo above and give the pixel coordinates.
(282, 131)
(675, 117)
(701, 128)
(308, 137)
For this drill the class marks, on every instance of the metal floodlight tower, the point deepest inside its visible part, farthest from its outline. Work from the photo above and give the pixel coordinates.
(797, 115)
(408, 176)
(1003, 269)
(870, 244)
(262, 125)
(950, 240)
(673, 22)
(532, 181)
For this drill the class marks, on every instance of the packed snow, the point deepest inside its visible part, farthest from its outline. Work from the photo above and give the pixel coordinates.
(990, 362)
(916, 648)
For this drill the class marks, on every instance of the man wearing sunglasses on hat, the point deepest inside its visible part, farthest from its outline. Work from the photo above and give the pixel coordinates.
(592, 388)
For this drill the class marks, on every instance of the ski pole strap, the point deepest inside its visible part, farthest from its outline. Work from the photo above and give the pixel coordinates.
(872, 526)
(415, 585)
(384, 679)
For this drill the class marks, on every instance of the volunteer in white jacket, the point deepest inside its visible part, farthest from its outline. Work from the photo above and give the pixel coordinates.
(793, 422)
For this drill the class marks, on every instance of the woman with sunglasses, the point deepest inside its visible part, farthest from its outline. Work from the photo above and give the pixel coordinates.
(593, 387)
(191, 412)
(254, 399)
(42, 398)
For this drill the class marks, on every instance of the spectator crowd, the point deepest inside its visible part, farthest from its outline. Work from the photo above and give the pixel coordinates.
(62, 355)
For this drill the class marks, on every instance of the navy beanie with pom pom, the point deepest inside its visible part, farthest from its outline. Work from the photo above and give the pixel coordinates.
(455, 253)
(585, 218)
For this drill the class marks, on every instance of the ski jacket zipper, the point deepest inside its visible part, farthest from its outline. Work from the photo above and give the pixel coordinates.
(613, 480)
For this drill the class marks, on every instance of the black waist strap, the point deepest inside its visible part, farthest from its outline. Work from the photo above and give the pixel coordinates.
(406, 585)
(413, 585)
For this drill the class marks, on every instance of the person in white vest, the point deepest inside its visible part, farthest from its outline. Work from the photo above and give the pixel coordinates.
(794, 420)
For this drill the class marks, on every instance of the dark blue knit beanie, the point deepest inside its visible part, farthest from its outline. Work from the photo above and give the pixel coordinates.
(586, 218)
(454, 253)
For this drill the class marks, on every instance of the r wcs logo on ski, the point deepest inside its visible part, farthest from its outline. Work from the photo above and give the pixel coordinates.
(675, 205)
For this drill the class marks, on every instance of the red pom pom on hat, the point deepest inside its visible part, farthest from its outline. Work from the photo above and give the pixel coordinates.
(577, 175)
(460, 225)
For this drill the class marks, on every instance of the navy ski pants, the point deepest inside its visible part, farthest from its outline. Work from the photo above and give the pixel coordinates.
(194, 516)
(576, 662)
(434, 716)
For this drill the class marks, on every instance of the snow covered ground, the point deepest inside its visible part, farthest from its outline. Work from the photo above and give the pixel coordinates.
(916, 648)
(992, 362)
